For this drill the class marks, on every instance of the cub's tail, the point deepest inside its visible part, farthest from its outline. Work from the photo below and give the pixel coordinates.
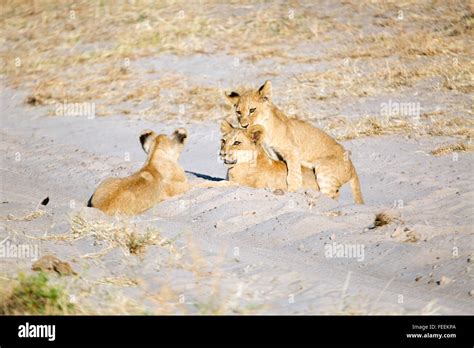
(355, 187)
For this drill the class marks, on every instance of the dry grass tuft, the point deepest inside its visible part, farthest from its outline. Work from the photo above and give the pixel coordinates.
(28, 217)
(119, 281)
(136, 243)
(116, 235)
(368, 126)
(382, 219)
(457, 147)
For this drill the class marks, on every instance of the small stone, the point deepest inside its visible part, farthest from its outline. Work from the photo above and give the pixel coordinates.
(333, 237)
(398, 231)
(418, 278)
(405, 234)
(471, 293)
(278, 192)
(444, 280)
(50, 263)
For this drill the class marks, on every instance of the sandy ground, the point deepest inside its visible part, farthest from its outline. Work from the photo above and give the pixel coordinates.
(241, 250)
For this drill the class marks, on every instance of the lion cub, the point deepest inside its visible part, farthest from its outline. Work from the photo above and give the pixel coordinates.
(242, 152)
(296, 142)
(160, 178)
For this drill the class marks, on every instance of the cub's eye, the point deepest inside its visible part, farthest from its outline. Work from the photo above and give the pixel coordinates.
(237, 142)
(223, 141)
(252, 110)
(238, 112)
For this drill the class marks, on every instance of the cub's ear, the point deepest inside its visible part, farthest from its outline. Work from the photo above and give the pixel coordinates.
(256, 133)
(226, 127)
(180, 135)
(146, 139)
(233, 97)
(265, 90)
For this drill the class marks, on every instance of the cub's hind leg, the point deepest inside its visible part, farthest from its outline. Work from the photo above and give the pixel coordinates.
(328, 177)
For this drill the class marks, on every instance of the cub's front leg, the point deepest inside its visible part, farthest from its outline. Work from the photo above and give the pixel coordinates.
(294, 178)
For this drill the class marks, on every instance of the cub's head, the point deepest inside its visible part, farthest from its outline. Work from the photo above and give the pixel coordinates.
(239, 145)
(163, 146)
(251, 107)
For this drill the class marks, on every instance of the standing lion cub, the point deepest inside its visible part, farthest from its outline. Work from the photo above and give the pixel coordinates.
(160, 178)
(293, 141)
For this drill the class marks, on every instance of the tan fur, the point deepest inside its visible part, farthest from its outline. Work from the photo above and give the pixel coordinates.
(160, 178)
(242, 152)
(296, 142)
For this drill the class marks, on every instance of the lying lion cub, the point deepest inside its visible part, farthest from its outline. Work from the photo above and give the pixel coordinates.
(160, 178)
(242, 152)
(296, 142)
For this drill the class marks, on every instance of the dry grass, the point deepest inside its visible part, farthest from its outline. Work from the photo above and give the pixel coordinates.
(362, 79)
(414, 29)
(410, 45)
(28, 217)
(456, 147)
(206, 296)
(91, 56)
(119, 281)
(369, 126)
(116, 235)
(101, 41)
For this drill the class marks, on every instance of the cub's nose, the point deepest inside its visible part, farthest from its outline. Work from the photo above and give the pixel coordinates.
(244, 122)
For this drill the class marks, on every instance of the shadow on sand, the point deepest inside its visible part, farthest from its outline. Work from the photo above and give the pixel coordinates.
(204, 176)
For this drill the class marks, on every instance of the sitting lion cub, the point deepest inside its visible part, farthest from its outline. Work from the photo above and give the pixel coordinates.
(296, 142)
(160, 178)
(242, 152)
